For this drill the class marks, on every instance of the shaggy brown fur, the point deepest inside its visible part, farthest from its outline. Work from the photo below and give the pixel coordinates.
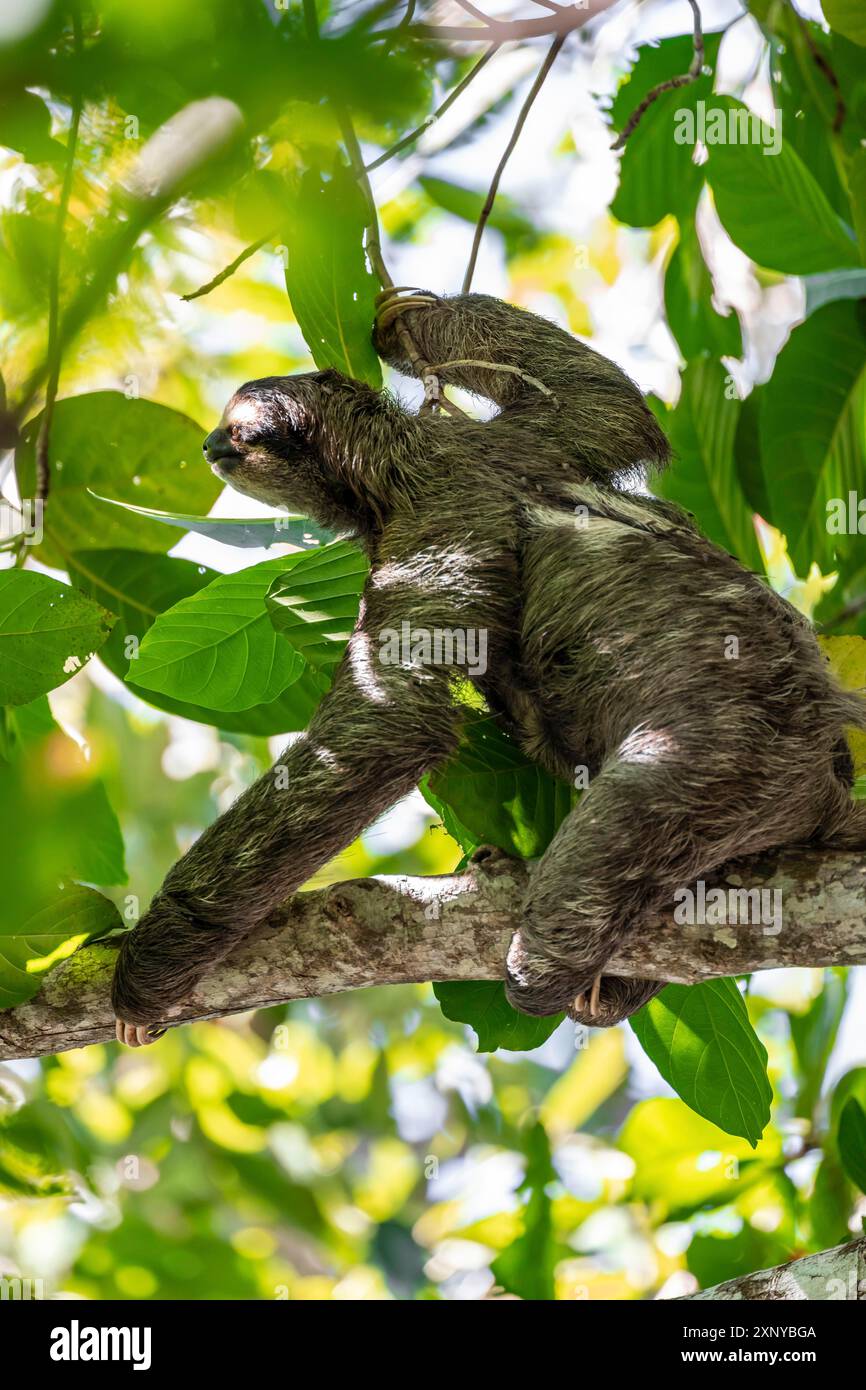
(608, 618)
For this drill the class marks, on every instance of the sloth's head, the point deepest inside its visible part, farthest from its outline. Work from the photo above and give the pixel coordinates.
(282, 440)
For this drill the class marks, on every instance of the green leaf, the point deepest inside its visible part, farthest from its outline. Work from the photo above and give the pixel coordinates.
(704, 1045)
(689, 291)
(314, 602)
(219, 646)
(483, 1005)
(852, 1142)
(657, 174)
(832, 285)
(814, 1033)
(857, 183)
(771, 205)
(47, 633)
(527, 1266)
(74, 916)
(704, 478)
(332, 291)
(104, 442)
(499, 794)
(139, 587)
(245, 532)
(847, 17)
(813, 431)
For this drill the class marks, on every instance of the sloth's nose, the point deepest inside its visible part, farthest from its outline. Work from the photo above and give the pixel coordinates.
(218, 445)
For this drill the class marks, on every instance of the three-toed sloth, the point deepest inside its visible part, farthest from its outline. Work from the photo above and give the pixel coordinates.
(608, 620)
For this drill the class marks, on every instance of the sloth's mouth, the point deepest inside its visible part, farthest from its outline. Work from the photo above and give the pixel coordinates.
(225, 464)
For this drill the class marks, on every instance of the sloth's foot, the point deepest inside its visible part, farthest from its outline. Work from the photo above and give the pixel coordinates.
(390, 305)
(137, 1034)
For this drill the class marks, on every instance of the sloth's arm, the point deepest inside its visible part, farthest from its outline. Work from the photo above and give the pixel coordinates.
(376, 732)
(552, 383)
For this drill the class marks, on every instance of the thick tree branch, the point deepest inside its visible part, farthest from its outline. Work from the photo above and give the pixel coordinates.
(456, 927)
(834, 1274)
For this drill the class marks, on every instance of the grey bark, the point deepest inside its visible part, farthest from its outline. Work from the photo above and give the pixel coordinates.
(839, 1273)
(456, 927)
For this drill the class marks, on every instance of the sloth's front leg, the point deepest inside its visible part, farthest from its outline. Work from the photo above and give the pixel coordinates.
(379, 729)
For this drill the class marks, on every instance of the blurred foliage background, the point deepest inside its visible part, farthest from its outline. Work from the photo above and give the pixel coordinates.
(363, 1146)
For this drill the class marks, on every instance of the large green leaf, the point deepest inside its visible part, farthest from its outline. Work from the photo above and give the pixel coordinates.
(704, 477)
(47, 633)
(814, 1034)
(847, 17)
(219, 647)
(813, 431)
(314, 602)
(703, 1043)
(139, 587)
(332, 291)
(105, 443)
(500, 795)
(771, 205)
(246, 532)
(852, 1141)
(73, 916)
(658, 174)
(483, 1005)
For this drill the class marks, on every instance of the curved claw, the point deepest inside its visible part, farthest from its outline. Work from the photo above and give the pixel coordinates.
(390, 309)
(137, 1034)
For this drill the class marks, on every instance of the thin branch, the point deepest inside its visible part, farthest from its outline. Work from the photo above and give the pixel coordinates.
(229, 270)
(440, 110)
(55, 352)
(515, 136)
(496, 367)
(671, 84)
(458, 927)
(563, 21)
(474, 11)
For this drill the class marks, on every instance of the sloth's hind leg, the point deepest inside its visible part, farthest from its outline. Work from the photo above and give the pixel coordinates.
(620, 853)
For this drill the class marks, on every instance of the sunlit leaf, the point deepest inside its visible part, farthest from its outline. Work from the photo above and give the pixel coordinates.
(247, 532)
(314, 602)
(703, 1043)
(72, 917)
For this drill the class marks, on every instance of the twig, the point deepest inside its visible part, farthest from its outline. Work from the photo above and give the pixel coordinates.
(440, 110)
(55, 353)
(474, 11)
(683, 80)
(563, 21)
(824, 66)
(515, 136)
(229, 269)
(497, 367)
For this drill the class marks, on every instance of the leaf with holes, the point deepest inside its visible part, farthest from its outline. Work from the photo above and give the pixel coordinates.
(47, 633)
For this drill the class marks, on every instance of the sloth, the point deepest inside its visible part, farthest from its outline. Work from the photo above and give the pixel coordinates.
(620, 642)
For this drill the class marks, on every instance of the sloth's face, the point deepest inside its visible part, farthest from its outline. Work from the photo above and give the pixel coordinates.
(264, 446)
